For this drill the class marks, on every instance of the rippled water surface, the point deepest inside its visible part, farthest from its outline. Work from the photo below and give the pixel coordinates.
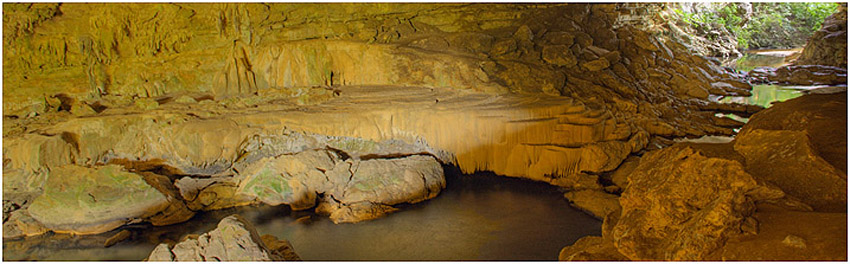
(477, 217)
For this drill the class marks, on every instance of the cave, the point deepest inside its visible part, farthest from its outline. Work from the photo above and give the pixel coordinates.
(424, 131)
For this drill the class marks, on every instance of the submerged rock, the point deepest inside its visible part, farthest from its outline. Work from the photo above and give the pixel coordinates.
(234, 239)
(120, 236)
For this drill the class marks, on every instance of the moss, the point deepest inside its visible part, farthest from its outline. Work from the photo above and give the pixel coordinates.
(80, 199)
(267, 184)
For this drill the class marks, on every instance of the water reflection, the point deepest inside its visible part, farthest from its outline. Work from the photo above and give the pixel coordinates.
(750, 61)
(477, 217)
(765, 95)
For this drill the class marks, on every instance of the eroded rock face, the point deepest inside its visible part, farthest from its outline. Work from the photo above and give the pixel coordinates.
(571, 50)
(234, 239)
(682, 204)
(828, 46)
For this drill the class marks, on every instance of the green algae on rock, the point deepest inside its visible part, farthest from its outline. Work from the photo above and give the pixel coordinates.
(94, 200)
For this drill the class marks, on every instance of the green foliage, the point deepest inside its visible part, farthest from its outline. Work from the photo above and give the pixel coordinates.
(779, 25)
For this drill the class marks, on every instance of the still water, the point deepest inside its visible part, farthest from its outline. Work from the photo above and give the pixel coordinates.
(760, 58)
(765, 95)
(477, 217)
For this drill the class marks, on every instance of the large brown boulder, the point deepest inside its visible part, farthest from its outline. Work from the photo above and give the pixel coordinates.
(800, 145)
(787, 159)
(822, 116)
(349, 190)
(685, 201)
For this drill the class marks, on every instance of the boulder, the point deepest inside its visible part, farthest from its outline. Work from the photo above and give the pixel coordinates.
(204, 194)
(365, 189)
(684, 202)
(559, 38)
(234, 239)
(822, 116)
(787, 159)
(287, 179)
(350, 190)
(94, 200)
